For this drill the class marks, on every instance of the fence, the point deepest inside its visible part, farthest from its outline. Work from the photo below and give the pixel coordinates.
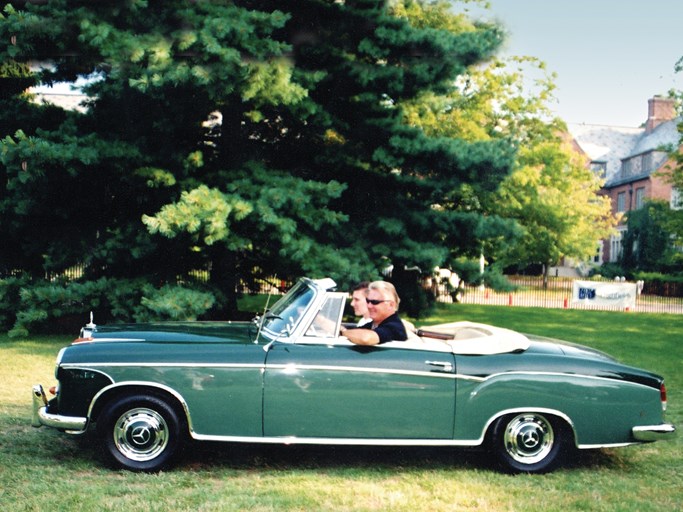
(655, 297)
(530, 292)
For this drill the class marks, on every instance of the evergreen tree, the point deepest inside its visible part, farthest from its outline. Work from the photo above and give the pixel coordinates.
(258, 137)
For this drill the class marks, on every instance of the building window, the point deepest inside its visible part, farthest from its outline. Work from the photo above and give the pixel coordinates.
(615, 247)
(598, 253)
(640, 197)
(676, 199)
(648, 162)
(599, 168)
(621, 202)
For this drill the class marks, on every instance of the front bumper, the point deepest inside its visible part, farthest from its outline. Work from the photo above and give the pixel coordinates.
(71, 424)
(648, 433)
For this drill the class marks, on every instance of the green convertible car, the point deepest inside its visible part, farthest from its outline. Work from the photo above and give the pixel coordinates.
(290, 377)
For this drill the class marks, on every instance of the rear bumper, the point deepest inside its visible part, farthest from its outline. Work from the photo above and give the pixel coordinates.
(648, 433)
(41, 417)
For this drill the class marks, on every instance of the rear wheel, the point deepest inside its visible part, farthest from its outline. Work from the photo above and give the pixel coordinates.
(140, 433)
(531, 442)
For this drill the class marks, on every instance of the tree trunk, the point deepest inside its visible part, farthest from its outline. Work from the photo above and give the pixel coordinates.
(225, 276)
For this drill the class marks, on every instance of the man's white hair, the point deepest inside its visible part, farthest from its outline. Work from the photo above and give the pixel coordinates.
(385, 286)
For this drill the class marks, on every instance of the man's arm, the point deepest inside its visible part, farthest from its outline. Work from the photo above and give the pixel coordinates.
(360, 336)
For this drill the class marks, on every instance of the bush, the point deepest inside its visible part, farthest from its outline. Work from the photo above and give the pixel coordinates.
(54, 307)
(657, 277)
(10, 299)
(609, 271)
(660, 284)
(174, 303)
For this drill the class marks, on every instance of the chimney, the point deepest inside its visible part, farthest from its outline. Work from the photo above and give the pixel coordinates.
(659, 110)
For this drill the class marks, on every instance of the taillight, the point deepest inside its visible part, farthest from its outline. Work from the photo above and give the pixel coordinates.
(662, 396)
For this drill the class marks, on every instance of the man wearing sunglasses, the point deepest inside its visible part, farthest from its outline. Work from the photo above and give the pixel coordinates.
(382, 301)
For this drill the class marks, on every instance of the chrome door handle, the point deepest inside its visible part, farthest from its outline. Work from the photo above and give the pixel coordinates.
(444, 365)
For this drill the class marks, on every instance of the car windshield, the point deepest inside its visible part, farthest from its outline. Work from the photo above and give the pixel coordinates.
(325, 322)
(286, 314)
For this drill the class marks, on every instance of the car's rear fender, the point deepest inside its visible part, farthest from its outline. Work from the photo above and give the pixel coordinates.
(601, 412)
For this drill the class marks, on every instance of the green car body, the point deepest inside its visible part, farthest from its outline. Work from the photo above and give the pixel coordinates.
(291, 378)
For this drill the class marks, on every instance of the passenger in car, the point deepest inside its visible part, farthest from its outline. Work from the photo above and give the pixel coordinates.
(359, 304)
(382, 302)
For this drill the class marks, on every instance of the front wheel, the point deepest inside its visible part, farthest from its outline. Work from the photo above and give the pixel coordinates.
(530, 442)
(140, 433)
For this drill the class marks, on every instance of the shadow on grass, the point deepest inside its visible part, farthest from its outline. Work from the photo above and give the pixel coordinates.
(305, 457)
(214, 456)
(254, 456)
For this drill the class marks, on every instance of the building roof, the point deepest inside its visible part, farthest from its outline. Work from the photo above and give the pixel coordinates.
(608, 144)
(613, 144)
(662, 136)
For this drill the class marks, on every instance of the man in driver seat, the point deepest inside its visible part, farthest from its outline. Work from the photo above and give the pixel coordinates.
(386, 325)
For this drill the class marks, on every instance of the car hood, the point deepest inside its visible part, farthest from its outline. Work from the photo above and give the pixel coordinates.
(183, 332)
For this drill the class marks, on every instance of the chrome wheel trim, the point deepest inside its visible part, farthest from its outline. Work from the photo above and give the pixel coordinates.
(141, 434)
(528, 438)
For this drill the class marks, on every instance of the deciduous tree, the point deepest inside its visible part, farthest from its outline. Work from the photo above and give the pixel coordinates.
(551, 195)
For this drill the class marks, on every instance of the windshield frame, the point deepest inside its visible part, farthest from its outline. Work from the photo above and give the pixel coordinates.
(289, 313)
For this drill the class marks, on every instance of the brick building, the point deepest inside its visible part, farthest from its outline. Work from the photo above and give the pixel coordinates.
(628, 159)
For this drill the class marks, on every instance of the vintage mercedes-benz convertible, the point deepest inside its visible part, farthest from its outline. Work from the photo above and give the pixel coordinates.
(290, 377)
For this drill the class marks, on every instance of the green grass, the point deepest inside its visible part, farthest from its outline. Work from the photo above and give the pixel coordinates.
(41, 469)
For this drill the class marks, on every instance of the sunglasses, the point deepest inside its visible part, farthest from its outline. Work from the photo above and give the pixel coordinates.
(375, 302)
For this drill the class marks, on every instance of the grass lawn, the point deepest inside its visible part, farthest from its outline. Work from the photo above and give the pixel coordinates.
(41, 469)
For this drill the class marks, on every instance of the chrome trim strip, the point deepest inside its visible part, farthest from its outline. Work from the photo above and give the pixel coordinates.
(148, 384)
(294, 366)
(558, 374)
(604, 445)
(88, 365)
(290, 368)
(87, 368)
(649, 433)
(109, 340)
(337, 441)
(474, 378)
(519, 410)
(278, 367)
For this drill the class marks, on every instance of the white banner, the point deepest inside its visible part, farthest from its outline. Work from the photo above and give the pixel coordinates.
(621, 295)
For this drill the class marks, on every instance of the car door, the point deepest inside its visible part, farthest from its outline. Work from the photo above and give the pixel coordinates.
(336, 390)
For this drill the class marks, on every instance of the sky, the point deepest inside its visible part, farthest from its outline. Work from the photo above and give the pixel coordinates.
(610, 56)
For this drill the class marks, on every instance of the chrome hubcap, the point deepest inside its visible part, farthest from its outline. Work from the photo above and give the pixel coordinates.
(528, 438)
(141, 434)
